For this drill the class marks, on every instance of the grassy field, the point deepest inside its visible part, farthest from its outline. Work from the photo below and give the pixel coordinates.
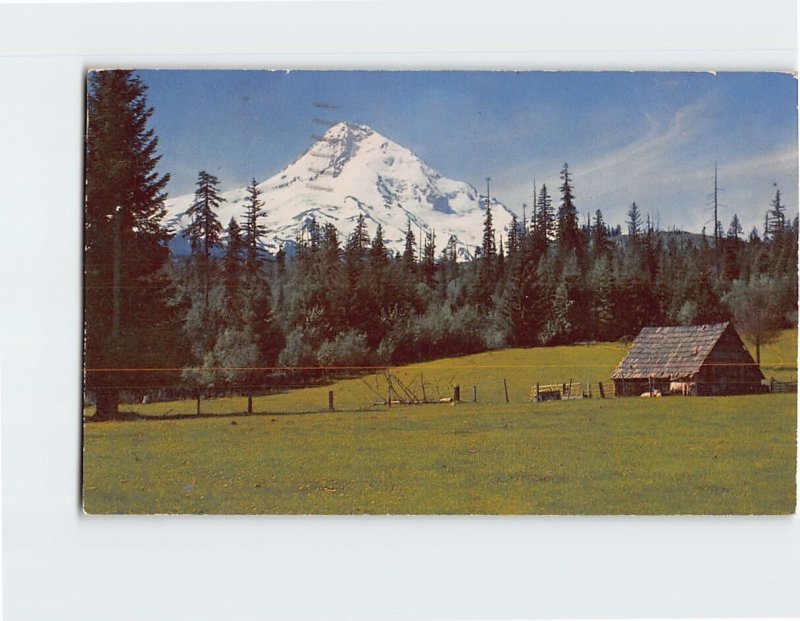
(672, 455)
(779, 359)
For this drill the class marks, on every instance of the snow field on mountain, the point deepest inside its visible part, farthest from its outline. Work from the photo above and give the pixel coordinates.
(354, 170)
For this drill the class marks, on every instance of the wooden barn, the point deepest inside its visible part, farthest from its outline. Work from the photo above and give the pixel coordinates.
(708, 359)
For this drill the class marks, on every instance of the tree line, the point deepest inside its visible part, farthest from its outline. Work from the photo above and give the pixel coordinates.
(231, 315)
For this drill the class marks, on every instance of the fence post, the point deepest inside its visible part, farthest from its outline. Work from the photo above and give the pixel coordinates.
(389, 394)
(330, 401)
(537, 392)
(250, 402)
(505, 388)
(456, 393)
(602, 392)
(198, 400)
(474, 394)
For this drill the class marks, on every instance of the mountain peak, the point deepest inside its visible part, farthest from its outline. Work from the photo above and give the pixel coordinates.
(340, 144)
(348, 127)
(354, 171)
(347, 134)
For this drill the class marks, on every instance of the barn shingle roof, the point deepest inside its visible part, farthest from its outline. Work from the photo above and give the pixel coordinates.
(674, 352)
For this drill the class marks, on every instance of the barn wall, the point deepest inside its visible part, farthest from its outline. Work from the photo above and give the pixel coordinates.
(712, 380)
(731, 379)
(635, 387)
(729, 369)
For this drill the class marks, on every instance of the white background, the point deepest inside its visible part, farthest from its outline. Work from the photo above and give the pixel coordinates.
(59, 564)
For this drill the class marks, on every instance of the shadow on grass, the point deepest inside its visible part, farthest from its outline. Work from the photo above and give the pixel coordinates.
(134, 416)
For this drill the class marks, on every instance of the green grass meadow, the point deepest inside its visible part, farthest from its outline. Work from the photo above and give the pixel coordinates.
(720, 455)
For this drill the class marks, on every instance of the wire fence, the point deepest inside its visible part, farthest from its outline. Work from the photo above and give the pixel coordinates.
(331, 389)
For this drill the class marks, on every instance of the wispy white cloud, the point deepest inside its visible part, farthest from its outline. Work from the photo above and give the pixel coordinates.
(669, 171)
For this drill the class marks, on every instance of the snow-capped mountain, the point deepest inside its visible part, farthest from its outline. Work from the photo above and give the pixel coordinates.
(355, 170)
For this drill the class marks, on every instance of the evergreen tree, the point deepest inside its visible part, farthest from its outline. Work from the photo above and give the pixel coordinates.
(372, 289)
(735, 228)
(634, 221)
(558, 327)
(485, 281)
(409, 254)
(488, 249)
(253, 229)
(600, 284)
(337, 302)
(452, 251)
(357, 243)
(513, 237)
(314, 235)
(428, 263)
(449, 269)
(650, 255)
(280, 261)
(600, 241)
(567, 231)
(205, 229)
(775, 218)
(125, 245)
(330, 245)
(379, 255)
(231, 266)
(544, 223)
(357, 311)
(731, 249)
(523, 305)
(500, 268)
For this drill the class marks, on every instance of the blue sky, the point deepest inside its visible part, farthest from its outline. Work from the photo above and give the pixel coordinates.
(653, 138)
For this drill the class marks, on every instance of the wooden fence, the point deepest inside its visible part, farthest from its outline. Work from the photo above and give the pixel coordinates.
(775, 386)
(571, 390)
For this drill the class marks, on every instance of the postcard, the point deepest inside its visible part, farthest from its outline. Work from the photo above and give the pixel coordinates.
(440, 292)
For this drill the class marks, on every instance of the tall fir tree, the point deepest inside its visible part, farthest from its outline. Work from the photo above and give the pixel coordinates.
(775, 221)
(379, 254)
(488, 249)
(205, 229)
(409, 252)
(600, 237)
(523, 305)
(254, 230)
(358, 241)
(330, 246)
(543, 223)
(314, 232)
(600, 285)
(634, 221)
(514, 236)
(500, 264)
(567, 232)
(231, 265)
(735, 229)
(126, 316)
(485, 281)
(428, 262)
